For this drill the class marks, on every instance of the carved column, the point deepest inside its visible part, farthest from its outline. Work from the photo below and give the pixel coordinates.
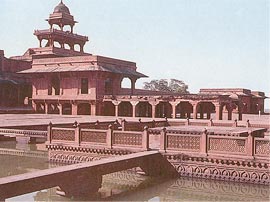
(60, 109)
(195, 110)
(133, 82)
(240, 111)
(218, 112)
(153, 104)
(145, 139)
(116, 104)
(109, 137)
(174, 104)
(77, 134)
(250, 144)
(46, 108)
(74, 109)
(203, 142)
(163, 138)
(49, 133)
(93, 109)
(134, 104)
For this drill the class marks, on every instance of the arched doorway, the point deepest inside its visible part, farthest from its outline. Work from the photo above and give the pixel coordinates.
(163, 109)
(67, 109)
(205, 109)
(108, 109)
(125, 109)
(143, 109)
(84, 109)
(183, 110)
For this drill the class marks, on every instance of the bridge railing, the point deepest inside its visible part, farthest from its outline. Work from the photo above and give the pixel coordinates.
(206, 143)
(32, 133)
(110, 138)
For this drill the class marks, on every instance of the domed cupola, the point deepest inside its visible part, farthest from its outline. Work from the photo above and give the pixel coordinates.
(61, 8)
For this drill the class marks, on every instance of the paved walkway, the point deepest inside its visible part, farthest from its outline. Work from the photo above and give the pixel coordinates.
(9, 120)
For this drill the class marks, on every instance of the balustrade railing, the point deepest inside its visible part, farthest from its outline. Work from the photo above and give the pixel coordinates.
(234, 123)
(93, 138)
(206, 143)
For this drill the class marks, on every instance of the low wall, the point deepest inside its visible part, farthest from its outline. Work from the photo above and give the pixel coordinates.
(242, 159)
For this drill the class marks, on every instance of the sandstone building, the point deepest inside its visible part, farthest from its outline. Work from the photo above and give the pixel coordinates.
(66, 80)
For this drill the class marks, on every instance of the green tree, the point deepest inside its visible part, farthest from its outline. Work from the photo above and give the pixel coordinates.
(165, 85)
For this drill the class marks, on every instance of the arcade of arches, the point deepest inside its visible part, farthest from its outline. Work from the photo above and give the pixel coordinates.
(155, 109)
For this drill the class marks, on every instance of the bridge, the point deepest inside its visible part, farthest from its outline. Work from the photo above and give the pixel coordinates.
(26, 136)
(24, 153)
(85, 178)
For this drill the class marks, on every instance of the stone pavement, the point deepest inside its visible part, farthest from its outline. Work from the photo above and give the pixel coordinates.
(9, 120)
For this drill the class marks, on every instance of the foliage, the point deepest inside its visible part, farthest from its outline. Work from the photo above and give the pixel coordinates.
(165, 85)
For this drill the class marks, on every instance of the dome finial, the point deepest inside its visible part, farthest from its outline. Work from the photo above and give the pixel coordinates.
(61, 8)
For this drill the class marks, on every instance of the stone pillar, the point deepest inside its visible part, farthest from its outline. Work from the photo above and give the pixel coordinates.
(74, 109)
(163, 138)
(46, 108)
(240, 115)
(174, 110)
(49, 133)
(208, 115)
(229, 113)
(93, 109)
(250, 144)
(40, 43)
(109, 137)
(34, 105)
(153, 110)
(201, 115)
(203, 142)
(218, 112)
(116, 110)
(145, 139)
(123, 124)
(77, 134)
(81, 48)
(134, 104)
(195, 111)
(133, 82)
(60, 109)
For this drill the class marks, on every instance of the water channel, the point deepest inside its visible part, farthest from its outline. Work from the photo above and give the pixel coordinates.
(130, 186)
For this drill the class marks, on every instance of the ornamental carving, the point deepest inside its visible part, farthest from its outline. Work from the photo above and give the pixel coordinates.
(132, 139)
(227, 145)
(229, 174)
(262, 147)
(62, 134)
(93, 136)
(183, 142)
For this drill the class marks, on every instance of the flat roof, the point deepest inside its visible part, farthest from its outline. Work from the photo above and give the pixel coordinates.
(54, 69)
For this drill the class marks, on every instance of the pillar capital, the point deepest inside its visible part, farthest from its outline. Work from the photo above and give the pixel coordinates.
(134, 103)
(116, 103)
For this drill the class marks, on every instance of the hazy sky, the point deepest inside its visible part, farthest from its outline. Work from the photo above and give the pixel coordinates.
(206, 43)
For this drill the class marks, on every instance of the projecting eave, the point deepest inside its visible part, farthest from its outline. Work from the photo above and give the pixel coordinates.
(122, 71)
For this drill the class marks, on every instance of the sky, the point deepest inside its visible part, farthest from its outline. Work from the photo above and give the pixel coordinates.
(205, 43)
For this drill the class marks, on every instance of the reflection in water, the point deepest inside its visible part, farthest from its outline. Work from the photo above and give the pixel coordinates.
(129, 186)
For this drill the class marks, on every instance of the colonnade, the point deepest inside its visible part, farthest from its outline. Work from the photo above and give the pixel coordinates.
(154, 109)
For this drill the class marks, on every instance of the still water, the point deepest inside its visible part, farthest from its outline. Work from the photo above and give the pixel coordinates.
(130, 186)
